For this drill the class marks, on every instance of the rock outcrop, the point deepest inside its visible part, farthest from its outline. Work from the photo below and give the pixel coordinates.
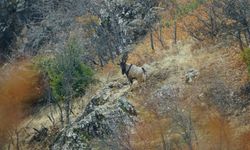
(128, 20)
(103, 117)
(191, 75)
(10, 23)
(31, 27)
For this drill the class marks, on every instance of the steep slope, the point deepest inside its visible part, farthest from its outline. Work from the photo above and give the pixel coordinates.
(212, 102)
(211, 111)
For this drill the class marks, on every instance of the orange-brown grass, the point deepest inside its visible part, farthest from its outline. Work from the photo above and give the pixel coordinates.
(109, 71)
(243, 140)
(149, 131)
(214, 130)
(87, 20)
(150, 127)
(237, 63)
(220, 133)
(20, 85)
(181, 22)
(144, 54)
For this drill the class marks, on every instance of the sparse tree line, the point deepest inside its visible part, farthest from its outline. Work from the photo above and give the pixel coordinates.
(175, 11)
(223, 19)
(216, 20)
(103, 37)
(120, 25)
(46, 26)
(49, 23)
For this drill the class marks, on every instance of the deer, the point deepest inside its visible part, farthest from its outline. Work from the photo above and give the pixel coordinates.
(133, 72)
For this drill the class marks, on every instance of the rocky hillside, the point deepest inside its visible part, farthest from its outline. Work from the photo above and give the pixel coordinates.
(182, 99)
(10, 23)
(33, 27)
(196, 95)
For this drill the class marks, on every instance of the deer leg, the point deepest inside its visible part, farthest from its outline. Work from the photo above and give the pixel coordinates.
(130, 81)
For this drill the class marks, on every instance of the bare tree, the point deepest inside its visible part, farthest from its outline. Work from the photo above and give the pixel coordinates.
(210, 23)
(238, 11)
(152, 40)
(220, 19)
(182, 122)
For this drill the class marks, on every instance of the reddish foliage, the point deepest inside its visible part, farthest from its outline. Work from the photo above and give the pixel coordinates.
(19, 86)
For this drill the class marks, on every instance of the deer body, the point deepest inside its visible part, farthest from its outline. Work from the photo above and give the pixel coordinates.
(132, 71)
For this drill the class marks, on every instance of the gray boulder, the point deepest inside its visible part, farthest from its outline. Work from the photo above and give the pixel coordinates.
(10, 23)
(165, 98)
(128, 20)
(191, 75)
(102, 118)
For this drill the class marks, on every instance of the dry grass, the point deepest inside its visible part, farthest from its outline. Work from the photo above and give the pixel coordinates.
(149, 131)
(214, 130)
(19, 86)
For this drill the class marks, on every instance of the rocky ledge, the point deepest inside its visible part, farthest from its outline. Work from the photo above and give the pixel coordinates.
(108, 114)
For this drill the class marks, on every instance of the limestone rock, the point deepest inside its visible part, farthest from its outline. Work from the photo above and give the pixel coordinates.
(103, 116)
(10, 22)
(165, 97)
(191, 75)
(131, 19)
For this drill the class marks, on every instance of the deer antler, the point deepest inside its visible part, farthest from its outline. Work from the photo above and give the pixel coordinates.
(124, 57)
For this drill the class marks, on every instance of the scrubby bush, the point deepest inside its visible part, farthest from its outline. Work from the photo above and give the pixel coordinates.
(67, 75)
(246, 57)
(185, 9)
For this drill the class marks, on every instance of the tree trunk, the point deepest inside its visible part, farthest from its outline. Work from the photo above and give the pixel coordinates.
(190, 146)
(246, 39)
(160, 37)
(152, 40)
(117, 52)
(67, 111)
(212, 21)
(17, 140)
(240, 41)
(100, 60)
(164, 144)
(111, 55)
(61, 114)
(175, 31)
(248, 31)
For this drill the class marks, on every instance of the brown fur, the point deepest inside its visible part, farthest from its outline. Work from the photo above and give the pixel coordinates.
(132, 71)
(137, 73)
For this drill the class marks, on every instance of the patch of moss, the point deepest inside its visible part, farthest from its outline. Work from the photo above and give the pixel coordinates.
(84, 135)
(246, 58)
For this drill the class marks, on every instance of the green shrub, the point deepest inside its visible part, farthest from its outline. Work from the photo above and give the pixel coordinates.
(185, 9)
(168, 23)
(246, 58)
(68, 76)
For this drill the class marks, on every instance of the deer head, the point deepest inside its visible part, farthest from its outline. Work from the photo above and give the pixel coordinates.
(123, 61)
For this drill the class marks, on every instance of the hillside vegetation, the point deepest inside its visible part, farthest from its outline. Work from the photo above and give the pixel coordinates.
(69, 92)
